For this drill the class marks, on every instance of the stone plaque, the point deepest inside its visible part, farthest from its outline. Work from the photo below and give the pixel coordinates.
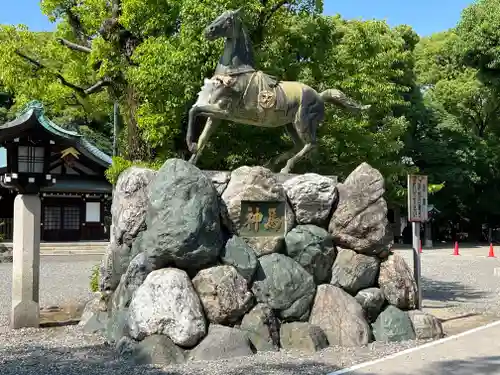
(262, 219)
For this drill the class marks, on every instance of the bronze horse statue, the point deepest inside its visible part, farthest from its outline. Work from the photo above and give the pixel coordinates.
(239, 93)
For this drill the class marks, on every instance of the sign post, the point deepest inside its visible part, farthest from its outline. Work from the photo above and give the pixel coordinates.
(417, 214)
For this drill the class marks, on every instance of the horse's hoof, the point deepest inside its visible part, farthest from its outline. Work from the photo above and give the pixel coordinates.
(193, 147)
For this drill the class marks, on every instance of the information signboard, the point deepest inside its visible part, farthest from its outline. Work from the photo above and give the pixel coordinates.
(417, 213)
(417, 198)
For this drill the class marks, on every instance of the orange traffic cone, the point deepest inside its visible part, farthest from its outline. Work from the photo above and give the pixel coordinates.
(420, 248)
(491, 254)
(455, 250)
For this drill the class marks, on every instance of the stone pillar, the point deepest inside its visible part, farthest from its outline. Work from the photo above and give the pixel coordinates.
(428, 235)
(26, 261)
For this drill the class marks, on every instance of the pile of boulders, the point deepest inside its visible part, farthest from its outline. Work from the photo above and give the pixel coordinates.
(179, 282)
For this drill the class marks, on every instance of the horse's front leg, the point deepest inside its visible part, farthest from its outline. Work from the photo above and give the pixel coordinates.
(213, 112)
(208, 130)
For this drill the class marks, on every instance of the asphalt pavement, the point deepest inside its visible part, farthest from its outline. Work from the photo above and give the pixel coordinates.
(475, 352)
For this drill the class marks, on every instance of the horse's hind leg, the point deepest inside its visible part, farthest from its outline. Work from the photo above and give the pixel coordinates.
(308, 147)
(297, 143)
(306, 122)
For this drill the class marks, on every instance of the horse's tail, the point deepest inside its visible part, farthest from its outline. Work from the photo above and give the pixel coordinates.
(337, 97)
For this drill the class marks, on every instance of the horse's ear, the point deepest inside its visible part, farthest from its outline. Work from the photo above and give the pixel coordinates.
(238, 11)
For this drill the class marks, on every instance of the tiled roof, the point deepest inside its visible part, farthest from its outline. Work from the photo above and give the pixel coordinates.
(35, 108)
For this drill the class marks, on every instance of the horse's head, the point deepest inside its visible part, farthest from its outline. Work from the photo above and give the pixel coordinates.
(224, 26)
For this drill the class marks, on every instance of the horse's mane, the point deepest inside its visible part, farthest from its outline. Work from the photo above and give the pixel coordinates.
(246, 36)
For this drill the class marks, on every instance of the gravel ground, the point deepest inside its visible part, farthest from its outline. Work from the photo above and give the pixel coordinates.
(467, 284)
(66, 351)
(62, 280)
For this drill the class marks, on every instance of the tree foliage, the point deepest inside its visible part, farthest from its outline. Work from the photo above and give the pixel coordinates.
(459, 144)
(152, 58)
(435, 100)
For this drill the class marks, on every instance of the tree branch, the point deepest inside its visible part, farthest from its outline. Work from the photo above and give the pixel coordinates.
(116, 9)
(263, 19)
(74, 46)
(77, 27)
(29, 59)
(274, 9)
(98, 86)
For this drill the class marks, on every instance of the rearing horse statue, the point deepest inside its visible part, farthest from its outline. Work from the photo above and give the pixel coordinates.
(239, 93)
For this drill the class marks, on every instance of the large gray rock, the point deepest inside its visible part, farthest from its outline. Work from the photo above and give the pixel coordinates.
(284, 285)
(397, 283)
(117, 325)
(302, 336)
(426, 326)
(220, 180)
(158, 350)
(223, 293)
(371, 300)
(128, 210)
(256, 184)
(266, 245)
(238, 254)
(353, 272)
(97, 323)
(126, 346)
(312, 247)
(221, 342)
(183, 219)
(262, 327)
(93, 306)
(94, 317)
(393, 325)
(137, 271)
(360, 220)
(340, 316)
(166, 303)
(312, 197)
(130, 201)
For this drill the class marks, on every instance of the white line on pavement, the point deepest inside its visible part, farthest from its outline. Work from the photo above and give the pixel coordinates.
(415, 349)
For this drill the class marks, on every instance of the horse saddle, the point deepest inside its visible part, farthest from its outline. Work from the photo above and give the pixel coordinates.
(264, 91)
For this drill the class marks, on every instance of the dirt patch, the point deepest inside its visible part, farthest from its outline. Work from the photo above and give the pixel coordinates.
(457, 322)
(54, 316)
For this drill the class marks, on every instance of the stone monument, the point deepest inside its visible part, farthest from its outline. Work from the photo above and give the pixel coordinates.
(216, 265)
(211, 265)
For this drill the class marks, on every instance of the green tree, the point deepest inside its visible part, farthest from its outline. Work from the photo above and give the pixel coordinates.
(458, 144)
(479, 33)
(34, 66)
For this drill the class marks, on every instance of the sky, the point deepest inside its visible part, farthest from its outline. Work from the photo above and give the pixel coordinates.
(425, 16)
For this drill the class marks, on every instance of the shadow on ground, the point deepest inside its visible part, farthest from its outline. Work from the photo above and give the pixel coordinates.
(450, 291)
(96, 360)
(473, 366)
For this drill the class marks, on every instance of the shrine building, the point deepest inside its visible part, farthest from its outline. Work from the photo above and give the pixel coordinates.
(64, 169)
